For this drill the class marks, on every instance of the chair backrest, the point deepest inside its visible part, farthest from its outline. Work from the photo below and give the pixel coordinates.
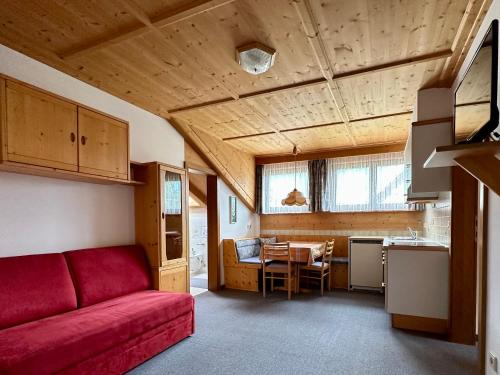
(276, 252)
(329, 246)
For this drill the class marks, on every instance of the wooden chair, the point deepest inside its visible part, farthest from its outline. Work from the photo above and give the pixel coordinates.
(320, 270)
(281, 264)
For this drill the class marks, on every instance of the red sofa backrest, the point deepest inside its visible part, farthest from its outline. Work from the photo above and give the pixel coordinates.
(104, 273)
(33, 287)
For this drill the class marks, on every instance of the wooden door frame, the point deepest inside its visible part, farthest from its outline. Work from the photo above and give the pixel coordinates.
(213, 232)
(482, 249)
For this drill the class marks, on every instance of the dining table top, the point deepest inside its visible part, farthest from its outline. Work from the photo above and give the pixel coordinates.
(306, 252)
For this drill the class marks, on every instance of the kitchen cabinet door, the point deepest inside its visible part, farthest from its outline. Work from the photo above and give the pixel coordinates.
(103, 148)
(41, 129)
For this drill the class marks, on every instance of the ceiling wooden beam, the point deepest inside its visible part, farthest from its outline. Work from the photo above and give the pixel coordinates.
(466, 31)
(164, 19)
(316, 126)
(330, 153)
(321, 81)
(310, 26)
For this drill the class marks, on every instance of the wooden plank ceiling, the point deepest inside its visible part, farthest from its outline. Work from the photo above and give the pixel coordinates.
(346, 72)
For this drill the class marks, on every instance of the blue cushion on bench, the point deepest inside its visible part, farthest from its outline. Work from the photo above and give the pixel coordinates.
(254, 260)
(248, 248)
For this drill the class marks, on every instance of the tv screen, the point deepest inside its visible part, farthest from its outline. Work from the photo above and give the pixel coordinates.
(476, 113)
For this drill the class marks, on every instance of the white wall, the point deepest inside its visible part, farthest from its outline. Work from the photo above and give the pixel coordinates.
(49, 215)
(247, 223)
(493, 243)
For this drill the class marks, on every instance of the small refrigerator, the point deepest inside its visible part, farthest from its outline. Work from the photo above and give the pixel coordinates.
(366, 264)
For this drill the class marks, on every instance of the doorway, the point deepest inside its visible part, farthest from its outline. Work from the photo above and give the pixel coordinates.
(203, 230)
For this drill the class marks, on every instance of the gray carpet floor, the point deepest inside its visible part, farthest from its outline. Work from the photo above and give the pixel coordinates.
(341, 333)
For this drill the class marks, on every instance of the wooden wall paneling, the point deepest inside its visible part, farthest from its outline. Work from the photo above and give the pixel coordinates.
(346, 221)
(104, 144)
(262, 144)
(191, 157)
(463, 258)
(41, 129)
(320, 138)
(236, 168)
(213, 239)
(381, 131)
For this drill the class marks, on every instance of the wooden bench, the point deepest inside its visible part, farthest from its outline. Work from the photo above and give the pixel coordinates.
(242, 263)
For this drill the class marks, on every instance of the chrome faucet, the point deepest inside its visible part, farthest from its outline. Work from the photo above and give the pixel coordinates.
(413, 233)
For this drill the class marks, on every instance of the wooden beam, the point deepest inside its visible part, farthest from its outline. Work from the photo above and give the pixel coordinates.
(484, 168)
(319, 81)
(332, 153)
(310, 26)
(164, 19)
(315, 126)
(395, 64)
(213, 234)
(466, 31)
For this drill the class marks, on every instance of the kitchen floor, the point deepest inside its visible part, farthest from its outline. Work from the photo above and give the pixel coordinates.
(340, 333)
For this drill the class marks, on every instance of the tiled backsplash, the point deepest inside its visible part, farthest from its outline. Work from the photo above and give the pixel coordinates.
(437, 219)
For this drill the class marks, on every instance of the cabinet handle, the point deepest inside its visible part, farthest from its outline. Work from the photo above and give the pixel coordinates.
(72, 136)
(163, 215)
(84, 140)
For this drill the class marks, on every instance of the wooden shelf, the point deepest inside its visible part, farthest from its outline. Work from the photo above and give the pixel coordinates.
(478, 159)
(444, 156)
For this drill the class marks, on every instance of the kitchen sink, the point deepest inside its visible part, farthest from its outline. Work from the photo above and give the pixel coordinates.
(403, 238)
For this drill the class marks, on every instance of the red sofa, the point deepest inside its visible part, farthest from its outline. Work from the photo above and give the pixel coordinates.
(85, 312)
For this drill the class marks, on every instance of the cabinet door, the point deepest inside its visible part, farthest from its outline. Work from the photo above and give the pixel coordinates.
(41, 129)
(173, 216)
(103, 146)
(174, 279)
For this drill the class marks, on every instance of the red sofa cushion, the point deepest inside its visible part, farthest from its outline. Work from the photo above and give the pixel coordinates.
(108, 272)
(34, 287)
(52, 344)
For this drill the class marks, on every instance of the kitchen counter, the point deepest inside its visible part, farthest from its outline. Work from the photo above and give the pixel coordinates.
(420, 244)
(381, 238)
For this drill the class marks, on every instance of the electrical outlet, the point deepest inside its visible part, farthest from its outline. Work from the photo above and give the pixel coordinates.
(493, 361)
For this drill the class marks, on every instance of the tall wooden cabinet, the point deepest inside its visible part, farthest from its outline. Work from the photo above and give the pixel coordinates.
(43, 133)
(161, 223)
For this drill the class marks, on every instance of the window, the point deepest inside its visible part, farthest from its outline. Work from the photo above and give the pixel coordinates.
(358, 183)
(365, 183)
(277, 181)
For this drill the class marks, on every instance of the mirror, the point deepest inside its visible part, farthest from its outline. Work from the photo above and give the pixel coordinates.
(173, 215)
(473, 97)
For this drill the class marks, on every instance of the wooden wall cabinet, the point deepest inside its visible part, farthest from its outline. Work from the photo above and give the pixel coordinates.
(161, 224)
(42, 133)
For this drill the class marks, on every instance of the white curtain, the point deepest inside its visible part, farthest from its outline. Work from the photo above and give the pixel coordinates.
(173, 194)
(277, 181)
(366, 183)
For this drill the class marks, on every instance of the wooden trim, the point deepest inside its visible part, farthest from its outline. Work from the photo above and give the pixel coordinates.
(484, 168)
(463, 258)
(483, 274)
(327, 154)
(432, 121)
(164, 19)
(213, 240)
(35, 170)
(419, 323)
(197, 169)
(3, 118)
(396, 64)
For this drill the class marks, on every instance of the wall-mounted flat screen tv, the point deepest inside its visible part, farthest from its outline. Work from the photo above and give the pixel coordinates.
(476, 106)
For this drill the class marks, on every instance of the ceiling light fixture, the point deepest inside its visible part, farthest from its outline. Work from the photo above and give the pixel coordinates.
(295, 197)
(255, 58)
